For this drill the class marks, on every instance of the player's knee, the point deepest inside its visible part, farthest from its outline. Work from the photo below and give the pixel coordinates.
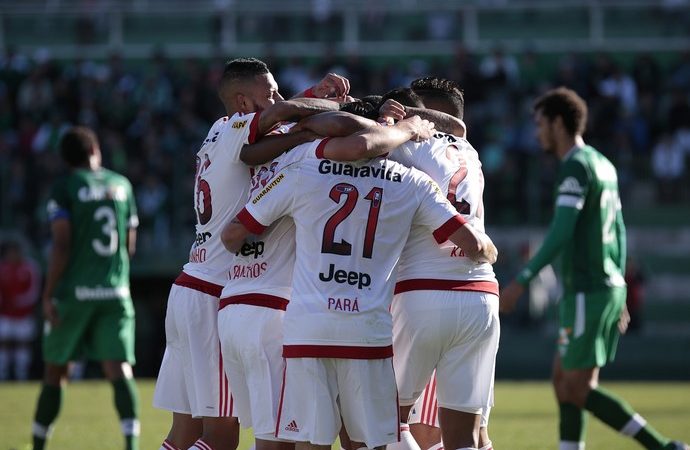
(55, 375)
(115, 370)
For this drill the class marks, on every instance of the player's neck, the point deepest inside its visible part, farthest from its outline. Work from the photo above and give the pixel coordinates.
(567, 144)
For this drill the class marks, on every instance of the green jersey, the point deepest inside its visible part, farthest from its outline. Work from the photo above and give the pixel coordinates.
(100, 207)
(587, 229)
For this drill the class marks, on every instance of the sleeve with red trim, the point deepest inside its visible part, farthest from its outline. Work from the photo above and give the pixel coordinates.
(434, 210)
(233, 133)
(320, 148)
(275, 200)
(253, 128)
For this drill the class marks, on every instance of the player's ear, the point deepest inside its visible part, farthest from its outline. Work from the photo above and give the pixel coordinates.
(242, 102)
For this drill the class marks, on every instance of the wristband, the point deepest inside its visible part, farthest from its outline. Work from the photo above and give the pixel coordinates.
(309, 93)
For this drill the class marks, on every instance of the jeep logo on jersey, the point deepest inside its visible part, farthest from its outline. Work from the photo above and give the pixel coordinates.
(359, 279)
(202, 237)
(570, 186)
(252, 248)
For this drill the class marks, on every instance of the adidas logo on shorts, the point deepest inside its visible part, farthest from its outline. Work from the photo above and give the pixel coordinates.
(292, 426)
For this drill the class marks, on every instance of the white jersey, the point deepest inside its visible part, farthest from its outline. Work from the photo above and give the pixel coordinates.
(221, 188)
(344, 269)
(454, 164)
(261, 273)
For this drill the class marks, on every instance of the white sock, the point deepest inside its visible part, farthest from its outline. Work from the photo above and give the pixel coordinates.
(634, 425)
(130, 427)
(571, 445)
(438, 446)
(488, 446)
(200, 445)
(406, 442)
(41, 431)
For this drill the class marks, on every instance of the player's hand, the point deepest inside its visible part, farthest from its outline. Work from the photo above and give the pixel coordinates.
(50, 312)
(421, 129)
(509, 296)
(332, 85)
(624, 320)
(489, 252)
(392, 110)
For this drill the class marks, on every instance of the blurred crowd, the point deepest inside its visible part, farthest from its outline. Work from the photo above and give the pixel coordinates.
(152, 115)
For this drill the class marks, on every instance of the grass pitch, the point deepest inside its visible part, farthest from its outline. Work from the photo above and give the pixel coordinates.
(525, 416)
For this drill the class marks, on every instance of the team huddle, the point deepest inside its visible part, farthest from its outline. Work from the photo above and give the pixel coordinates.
(319, 265)
(340, 283)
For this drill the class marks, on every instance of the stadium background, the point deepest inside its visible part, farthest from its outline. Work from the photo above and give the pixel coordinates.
(143, 74)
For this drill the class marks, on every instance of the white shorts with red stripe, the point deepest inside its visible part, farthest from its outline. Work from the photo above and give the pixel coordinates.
(425, 409)
(454, 332)
(252, 342)
(317, 392)
(191, 379)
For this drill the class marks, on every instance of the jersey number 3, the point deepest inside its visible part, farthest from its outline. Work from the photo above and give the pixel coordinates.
(375, 198)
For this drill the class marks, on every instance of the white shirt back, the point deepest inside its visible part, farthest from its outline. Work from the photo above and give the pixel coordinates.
(454, 164)
(265, 263)
(221, 187)
(352, 220)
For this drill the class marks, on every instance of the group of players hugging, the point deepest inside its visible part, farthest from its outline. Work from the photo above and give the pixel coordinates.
(341, 284)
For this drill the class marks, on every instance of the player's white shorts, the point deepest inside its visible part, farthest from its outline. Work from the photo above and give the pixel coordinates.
(456, 332)
(191, 379)
(316, 392)
(252, 343)
(15, 329)
(425, 409)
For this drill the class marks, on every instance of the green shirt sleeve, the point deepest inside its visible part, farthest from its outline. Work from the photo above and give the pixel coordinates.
(573, 185)
(560, 231)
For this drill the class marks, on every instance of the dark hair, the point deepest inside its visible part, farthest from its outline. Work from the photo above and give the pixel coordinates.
(568, 105)
(242, 69)
(361, 108)
(76, 144)
(404, 96)
(374, 99)
(436, 89)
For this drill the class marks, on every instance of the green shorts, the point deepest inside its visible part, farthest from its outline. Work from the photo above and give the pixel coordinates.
(96, 330)
(588, 334)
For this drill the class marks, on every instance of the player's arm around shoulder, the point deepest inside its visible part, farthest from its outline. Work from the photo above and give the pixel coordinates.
(275, 200)
(377, 140)
(391, 109)
(292, 111)
(270, 147)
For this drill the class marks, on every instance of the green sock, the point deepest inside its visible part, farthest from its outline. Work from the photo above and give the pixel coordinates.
(127, 405)
(47, 409)
(573, 422)
(619, 415)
